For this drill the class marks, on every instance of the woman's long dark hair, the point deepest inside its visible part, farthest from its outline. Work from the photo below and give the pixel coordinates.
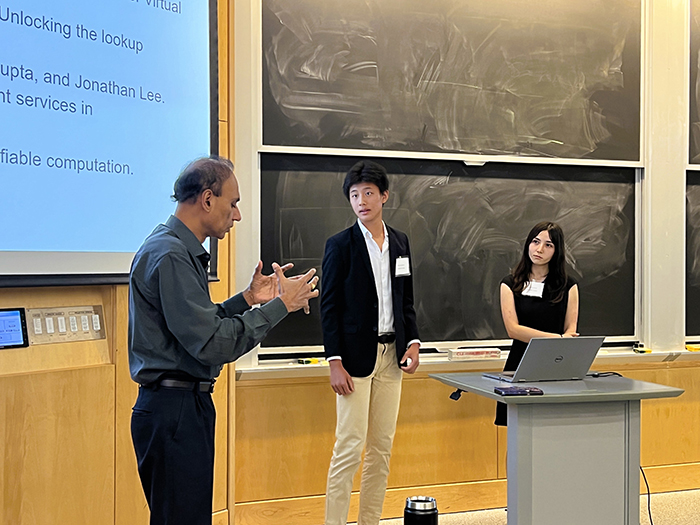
(556, 278)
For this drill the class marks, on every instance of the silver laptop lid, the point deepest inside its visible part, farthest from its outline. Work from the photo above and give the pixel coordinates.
(557, 359)
(553, 359)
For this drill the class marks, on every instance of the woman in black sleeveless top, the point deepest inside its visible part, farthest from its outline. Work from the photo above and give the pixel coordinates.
(538, 299)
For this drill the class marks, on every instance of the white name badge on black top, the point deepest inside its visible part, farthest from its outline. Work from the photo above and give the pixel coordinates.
(534, 289)
(403, 268)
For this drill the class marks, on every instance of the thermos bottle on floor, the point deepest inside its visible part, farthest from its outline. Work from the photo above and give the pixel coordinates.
(420, 510)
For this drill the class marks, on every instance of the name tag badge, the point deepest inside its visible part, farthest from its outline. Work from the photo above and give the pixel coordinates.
(533, 289)
(403, 268)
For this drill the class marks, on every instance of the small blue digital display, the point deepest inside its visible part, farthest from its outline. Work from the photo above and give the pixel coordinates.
(13, 328)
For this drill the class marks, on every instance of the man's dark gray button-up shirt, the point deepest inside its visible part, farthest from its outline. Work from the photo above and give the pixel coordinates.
(174, 327)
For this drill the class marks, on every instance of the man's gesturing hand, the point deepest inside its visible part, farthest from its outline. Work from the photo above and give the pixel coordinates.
(263, 288)
(296, 292)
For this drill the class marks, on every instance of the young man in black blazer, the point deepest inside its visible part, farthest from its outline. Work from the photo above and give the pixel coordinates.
(370, 338)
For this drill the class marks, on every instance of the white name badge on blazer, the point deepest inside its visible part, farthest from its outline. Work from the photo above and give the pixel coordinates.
(403, 268)
(534, 289)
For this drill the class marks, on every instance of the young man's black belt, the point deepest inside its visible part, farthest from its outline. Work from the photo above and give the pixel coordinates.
(387, 338)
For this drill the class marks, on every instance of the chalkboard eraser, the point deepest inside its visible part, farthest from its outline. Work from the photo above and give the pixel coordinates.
(639, 348)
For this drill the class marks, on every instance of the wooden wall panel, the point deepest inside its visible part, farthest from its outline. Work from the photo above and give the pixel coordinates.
(220, 398)
(285, 435)
(439, 440)
(667, 478)
(220, 518)
(58, 356)
(224, 146)
(224, 53)
(284, 438)
(220, 291)
(57, 448)
(669, 426)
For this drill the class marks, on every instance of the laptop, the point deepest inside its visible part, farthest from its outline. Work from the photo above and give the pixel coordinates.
(553, 359)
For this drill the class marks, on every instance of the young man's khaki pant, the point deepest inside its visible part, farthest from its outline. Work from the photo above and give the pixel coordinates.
(365, 418)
